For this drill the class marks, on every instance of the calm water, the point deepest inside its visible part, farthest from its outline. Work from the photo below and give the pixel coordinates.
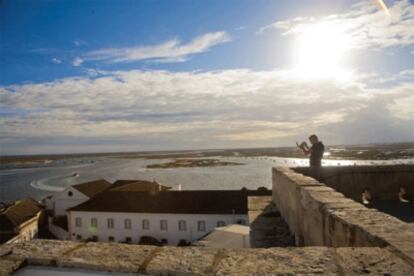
(41, 181)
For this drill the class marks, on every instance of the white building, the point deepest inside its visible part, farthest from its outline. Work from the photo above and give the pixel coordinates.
(124, 214)
(19, 221)
(75, 195)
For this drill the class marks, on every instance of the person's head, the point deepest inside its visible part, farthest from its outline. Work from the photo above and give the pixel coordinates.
(313, 139)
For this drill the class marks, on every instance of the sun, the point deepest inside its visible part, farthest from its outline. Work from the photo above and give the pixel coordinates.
(321, 51)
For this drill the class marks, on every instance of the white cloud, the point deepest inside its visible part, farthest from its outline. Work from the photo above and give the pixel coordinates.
(368, 26)
(77, 61)
(79, 43)
(281, 25)
(228, 108)
(56, 61)
(169, 51)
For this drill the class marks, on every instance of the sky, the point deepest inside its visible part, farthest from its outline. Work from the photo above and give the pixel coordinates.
(107, 76)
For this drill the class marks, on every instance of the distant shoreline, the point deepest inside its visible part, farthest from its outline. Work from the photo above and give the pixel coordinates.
(337, 152)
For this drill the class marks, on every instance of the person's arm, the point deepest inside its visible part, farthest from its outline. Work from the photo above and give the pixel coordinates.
(304, 147)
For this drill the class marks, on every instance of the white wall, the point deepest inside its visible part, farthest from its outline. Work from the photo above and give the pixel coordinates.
(136, 232)
(49, 203)
(30, 229)
(63, 201)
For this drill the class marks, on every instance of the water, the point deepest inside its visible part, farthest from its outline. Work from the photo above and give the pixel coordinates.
(42, 180)
(57, 271)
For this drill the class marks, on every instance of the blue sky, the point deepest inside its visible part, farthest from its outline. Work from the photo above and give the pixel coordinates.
(78, 76)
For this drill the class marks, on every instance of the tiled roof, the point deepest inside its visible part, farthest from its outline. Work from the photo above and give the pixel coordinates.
(92, 188)
(137, 185)
(180, 202)
(18, 213)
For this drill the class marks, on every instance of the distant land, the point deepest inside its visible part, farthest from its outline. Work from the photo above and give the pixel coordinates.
(352, 152)
(186, 163)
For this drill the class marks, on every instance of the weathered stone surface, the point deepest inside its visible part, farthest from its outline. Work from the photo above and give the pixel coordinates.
(401, 242)
(107, 256)
(318, 215)
(10, 264)
(182, 261)
(208, 261)
(277, 261)
(372, 260)
(41, 252)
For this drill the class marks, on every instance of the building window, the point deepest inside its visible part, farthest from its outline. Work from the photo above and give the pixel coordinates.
(94, 222)
(111, 238)
(78, 222)
(182, 226)
(128, 240)
(221, 223)
(70, 193)
(110, 223)
(145, 224)
(201, 225)
(163, 225)
(127, 223)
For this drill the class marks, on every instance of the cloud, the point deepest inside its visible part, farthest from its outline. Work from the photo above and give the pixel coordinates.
(227, 108)
(170, 51)
(79, 43)
(77, 61)
(365, 24)
(56, 61)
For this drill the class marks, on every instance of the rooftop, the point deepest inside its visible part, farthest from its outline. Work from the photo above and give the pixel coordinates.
(18, 212)
(92, 188)
(229, 236)
(182, 202)
(137, 185)
(15, 214)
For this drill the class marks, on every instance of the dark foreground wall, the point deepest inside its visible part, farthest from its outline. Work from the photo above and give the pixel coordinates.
(384, 182)
(318, 215)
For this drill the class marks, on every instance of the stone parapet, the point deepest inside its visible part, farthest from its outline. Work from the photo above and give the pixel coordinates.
(151, 260)
(384, 182)
(320, 216)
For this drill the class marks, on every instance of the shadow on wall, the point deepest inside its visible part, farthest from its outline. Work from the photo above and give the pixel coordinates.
(389, 189)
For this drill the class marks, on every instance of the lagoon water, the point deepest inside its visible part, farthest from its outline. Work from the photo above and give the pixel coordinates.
(43, 180)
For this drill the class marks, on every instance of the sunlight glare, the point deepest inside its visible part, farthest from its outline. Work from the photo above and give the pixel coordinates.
(321, 50)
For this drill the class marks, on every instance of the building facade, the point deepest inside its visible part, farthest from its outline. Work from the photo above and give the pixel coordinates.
(170, 217)
(131, 227)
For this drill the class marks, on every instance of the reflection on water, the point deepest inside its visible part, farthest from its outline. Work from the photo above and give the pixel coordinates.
(40, 181)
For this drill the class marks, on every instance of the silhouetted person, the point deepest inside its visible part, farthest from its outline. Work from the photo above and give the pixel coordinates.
(315, 152)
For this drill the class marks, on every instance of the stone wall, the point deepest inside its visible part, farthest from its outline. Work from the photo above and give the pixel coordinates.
(384, 182)
(320, 216)
(151, 260)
